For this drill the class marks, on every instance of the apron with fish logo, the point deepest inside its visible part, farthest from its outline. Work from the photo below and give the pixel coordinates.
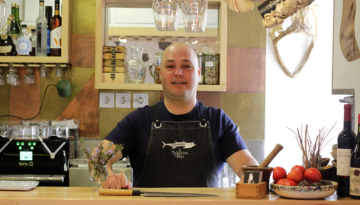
(179, 154)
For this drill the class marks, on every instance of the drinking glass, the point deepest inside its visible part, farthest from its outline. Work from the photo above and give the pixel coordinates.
(29, 77)
(59, 72)
(166, 14)
(12, 78)
(194, 14)
(44, 71)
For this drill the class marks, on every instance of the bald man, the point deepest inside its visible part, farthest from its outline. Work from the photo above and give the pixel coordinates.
(179, 142)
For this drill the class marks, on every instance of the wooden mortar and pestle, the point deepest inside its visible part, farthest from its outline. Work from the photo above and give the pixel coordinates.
(263, 166)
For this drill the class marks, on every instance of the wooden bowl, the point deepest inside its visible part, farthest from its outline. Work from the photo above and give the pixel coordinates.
(266, 173)
(325, 162)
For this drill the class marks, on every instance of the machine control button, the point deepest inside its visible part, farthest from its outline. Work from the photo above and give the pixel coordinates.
(17, 143)
(34, 143)
(22, 143)
(29, 143)
(32, 148)
(20, 147)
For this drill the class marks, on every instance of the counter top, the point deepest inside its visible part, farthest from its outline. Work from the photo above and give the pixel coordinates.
(88, 196)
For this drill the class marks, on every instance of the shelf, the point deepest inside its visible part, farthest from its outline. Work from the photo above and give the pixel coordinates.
(64, 58)
(101, 31)
(147, 86)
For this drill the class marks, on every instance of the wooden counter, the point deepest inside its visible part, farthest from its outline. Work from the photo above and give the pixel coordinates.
(88, 196)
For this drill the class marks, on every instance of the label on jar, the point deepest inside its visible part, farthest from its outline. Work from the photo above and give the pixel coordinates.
(5, 49)
(343, 162)
(354, 181)
(209, 63)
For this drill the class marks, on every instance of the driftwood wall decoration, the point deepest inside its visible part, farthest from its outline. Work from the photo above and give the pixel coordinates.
(348, 44)
(298, 26)
(274, 12)
(240, 6)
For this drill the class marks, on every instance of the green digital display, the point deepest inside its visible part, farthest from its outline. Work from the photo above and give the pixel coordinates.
(26, 155)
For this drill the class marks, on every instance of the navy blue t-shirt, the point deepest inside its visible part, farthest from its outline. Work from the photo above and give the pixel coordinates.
(134, 132)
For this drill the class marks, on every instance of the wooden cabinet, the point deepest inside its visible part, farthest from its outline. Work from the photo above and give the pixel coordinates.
(64, 58)
(102, 32)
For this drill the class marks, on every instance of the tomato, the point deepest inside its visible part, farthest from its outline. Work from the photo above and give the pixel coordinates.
(279, 173)
(281, 181)
(295, 175)
(312, 175)
(290, 183)
(300, 168)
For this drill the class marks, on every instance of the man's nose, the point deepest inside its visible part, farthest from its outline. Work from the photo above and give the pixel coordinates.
(178, 71)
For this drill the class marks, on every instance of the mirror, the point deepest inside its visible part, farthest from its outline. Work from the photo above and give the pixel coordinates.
(29, 9)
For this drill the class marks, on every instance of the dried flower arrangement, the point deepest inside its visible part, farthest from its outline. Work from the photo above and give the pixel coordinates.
(311, 152)
(99, 159)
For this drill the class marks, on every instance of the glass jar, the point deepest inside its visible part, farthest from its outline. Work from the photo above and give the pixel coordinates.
(156, 72)
(202, 67)
(211, 69)
(136, 69)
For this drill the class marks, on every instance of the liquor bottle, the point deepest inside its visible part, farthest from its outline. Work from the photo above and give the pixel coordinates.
(41, 32)
(33, 42)
(18, 16)
(14, 28)
(55, 32)
(355, 167)
(6, 44)
(48, 15)
(23, 46)
(346, 141)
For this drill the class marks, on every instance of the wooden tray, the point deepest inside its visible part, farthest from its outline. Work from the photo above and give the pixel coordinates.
(113, 69)
(251, 191)
(114, 62)
(113, 77)
(114, 56)
(114, 49)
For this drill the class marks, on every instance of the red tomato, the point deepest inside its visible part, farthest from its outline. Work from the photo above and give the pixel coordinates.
(281, 181)
(279, 173)
(312, 175)
(295, 175)
(300, 168)
(290, 183)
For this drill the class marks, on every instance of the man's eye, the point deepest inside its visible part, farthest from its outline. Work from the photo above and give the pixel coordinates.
(169, 66)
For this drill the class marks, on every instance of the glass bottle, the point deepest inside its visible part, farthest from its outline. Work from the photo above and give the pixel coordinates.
(33, 42)
(211, 76)
(201, 62)
(6, 44)
(346, 142)
(14, 29)
(55, 32)
(48, 15)
(18, 16)
(2, 13)
(41, 32)
(136, 69)
(355, 167)
(23, 46)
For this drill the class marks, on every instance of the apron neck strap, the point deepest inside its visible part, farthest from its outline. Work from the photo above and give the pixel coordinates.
(155, 114)
(203, 115)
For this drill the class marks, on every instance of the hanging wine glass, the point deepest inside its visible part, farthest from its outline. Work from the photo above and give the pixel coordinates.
(12, 78)
(2, 77)
(194, 14)
(166, 14)
(29, 77)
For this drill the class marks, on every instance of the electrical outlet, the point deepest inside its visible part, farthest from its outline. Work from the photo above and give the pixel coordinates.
(106, 100)
(140, 100)
(123, 100)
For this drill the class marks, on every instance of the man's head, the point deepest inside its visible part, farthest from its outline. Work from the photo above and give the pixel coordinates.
(179, 72)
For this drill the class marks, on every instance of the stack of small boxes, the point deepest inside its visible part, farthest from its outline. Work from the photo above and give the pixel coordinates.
(114, 63)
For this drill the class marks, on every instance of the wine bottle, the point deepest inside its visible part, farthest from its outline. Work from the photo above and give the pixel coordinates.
(14, 28)
(41, 32)
(18, 16)
(33, 42)
(6, 44)
(48, 15)
(346, 141)
(55, 32)
(355, 167)
(23, 46)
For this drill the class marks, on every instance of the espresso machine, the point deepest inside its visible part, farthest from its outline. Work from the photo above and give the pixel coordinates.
(36, 151)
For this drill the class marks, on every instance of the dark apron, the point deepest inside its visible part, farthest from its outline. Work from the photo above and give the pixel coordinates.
(179, 154)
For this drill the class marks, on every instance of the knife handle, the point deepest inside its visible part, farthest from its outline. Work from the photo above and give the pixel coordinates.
(118, 192)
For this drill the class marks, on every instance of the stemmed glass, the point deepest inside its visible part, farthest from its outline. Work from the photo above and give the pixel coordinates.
(59, 72)
(12, 78)
(194, 14)
(166, 14)
(2, 77)
(29, 77)
(44, 71)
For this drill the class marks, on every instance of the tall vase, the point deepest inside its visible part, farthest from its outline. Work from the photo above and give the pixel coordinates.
(136, 69)
(98, 174)
(312, 161)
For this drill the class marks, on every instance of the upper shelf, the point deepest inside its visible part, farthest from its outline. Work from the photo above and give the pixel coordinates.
(64, 58)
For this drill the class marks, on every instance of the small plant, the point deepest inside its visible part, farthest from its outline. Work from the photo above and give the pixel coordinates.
(99, 159)
(311, 151)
